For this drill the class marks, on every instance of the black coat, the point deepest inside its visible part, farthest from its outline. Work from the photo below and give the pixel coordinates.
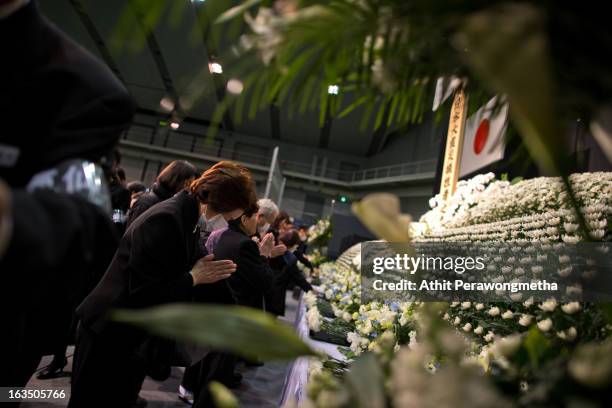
(286, 272)
(151, 265)
(253, 276)
(120, 196)
(148, 200)
(59, 241)
(289, 274)
(300, 254)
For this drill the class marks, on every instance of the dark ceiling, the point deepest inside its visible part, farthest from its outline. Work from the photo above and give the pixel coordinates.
(171, 59)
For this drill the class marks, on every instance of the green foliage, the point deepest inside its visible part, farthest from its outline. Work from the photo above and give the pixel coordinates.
(386, 56)
(536, 345)
(336, 367)
(223, 396)
(325, 307)
(333, 331)
(240, 330)
(365, 381)
(606, 309)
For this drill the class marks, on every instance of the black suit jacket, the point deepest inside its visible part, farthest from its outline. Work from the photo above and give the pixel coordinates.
(152, 264)
(253, 276)
(300, 254)
(288, 275)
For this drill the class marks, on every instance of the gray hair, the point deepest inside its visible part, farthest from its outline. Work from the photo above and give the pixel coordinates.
(267, 207)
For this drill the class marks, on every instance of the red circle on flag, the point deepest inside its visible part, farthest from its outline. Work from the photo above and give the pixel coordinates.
(482, 135)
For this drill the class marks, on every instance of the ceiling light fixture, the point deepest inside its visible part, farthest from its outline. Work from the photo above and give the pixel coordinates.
(235, 86)
(175, 125)
(167, 104)
(333, 89)
(215, 68)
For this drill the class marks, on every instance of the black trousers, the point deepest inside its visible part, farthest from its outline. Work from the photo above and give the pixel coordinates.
(106, 370)
(21, 352)
(215, 366)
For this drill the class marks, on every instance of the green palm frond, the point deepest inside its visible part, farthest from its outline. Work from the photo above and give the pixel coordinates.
(386, 56)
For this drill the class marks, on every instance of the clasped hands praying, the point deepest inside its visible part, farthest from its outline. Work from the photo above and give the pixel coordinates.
(207, 270)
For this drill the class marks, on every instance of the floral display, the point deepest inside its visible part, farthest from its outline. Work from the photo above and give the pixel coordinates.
(435, 354)
(377, 324)
(484, 202)
(320, 233)
(316, 257)
(371, 323)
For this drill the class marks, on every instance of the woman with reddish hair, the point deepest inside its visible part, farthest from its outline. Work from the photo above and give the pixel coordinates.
(159, 260)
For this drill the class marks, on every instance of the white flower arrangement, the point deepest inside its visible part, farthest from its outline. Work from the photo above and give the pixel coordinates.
(310, 299)
(319, 233)
(373, 320)
(539, 211)
(313, 318)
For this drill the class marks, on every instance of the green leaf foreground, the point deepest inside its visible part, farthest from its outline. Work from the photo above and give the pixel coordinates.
(365, 379)
(240, 330)
(223, 397)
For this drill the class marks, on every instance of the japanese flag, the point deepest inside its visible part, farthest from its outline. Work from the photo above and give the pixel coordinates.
(483, 141)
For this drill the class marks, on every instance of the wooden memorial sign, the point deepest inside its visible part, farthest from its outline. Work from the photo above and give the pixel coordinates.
(454, 145)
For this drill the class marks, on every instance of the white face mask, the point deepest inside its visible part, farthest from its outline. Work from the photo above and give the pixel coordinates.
(213, 223)
(263, 229)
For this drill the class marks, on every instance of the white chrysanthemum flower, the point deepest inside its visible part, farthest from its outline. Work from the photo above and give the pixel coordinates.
(478, 330)
(494, 311)
(467, 327)
(507, 315)
(570, 227)
(569, 334)
(565, 272)
(571, 239)
(545, 325)
(516, 297)
(571, 308)
(525, 320)
(549, 306)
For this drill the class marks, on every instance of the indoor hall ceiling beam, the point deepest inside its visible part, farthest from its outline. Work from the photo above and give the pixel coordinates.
(97, 38)
(378, 137)
(160, 63)
(218, 79)
(196, 121)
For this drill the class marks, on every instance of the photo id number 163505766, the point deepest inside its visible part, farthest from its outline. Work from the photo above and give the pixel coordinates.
(11, 394)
